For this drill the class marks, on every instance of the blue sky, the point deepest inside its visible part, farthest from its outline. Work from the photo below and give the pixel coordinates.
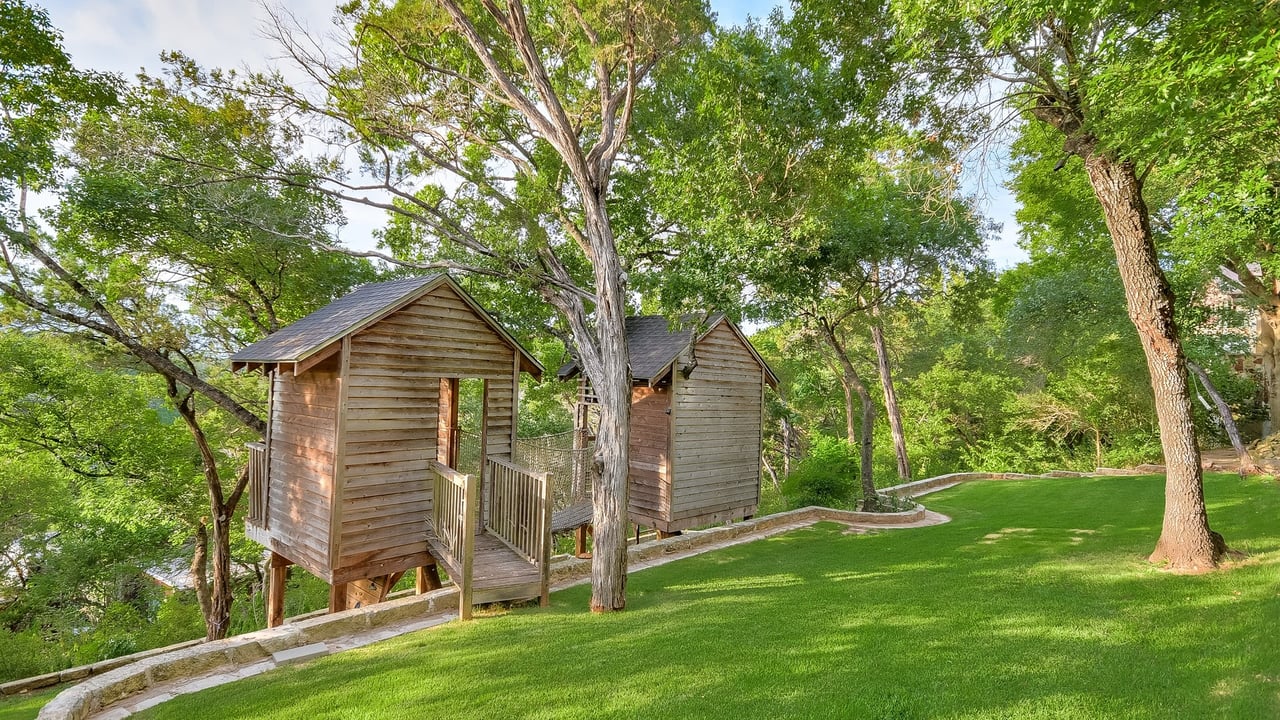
(127, 35)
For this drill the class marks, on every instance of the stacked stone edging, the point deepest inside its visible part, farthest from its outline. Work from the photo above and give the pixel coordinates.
(922, 487)
(99, 692)
(81, 672)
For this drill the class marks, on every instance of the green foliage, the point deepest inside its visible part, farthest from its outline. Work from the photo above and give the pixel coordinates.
(828, 476)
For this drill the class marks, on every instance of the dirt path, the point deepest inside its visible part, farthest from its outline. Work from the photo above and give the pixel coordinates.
(1226, 460)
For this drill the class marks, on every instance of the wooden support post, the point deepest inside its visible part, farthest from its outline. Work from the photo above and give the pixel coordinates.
(277, 574)
(580, 541)
(337, 597)
(545, 530)
(471, 517)
(428, 579)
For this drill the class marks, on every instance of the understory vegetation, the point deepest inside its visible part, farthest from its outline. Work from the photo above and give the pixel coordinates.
(1034, 602)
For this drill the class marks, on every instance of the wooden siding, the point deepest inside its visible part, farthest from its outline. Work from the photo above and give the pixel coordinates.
(393, 423)
(717, 439)
(649, 492)
(303, 423)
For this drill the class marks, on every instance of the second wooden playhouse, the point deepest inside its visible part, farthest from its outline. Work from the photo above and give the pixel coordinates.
(697, 404)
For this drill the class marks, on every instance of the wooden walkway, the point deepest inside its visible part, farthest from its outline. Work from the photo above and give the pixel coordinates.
(497, 572)
(574, 516)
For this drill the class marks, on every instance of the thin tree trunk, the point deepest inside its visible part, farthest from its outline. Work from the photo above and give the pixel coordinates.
(850, 379)
(787, 443)
(200, 571)
(218, 621)
(217, 618)
(1186, 542)
(1247, 467)
(891, 408)
(1268, 351)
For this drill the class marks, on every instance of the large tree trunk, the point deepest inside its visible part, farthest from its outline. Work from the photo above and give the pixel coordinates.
(1186, 541)
(610, 373)
(852, 383)
(1228, 422)
(890, 397)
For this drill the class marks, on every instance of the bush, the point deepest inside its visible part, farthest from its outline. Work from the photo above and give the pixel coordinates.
(26, 653)
(828, 476)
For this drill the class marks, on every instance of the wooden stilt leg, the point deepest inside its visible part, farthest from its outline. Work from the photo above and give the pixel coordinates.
(428, 579)
(580, 541)
(337, 597)
(277, 574)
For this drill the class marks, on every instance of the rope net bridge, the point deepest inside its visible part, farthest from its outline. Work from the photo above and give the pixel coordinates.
(571, 468)
(572, 471)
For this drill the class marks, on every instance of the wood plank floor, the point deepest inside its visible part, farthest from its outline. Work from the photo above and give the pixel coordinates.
(495, 565)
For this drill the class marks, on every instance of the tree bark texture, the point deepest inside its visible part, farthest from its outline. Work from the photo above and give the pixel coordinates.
(612, 383)
(1247, 467)
(200, 572)
(1186, 542)
(1268, 351)
(891, 408)
(852, 383)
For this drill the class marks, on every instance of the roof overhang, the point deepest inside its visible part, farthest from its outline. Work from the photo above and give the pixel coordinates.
(317, 353)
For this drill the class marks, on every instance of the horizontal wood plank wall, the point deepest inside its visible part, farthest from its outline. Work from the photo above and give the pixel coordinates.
(649, 492)
(302, 455)
(393, 422)
(717, 430)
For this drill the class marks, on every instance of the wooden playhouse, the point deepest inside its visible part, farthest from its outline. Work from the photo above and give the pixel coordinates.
(697, 405)
(357, 480)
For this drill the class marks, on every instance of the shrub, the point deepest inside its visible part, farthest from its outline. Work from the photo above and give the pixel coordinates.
(828, 476)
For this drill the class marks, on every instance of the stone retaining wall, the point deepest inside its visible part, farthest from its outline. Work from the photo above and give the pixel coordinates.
(97, 693)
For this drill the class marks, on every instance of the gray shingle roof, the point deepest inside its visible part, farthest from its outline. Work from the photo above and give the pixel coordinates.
(653, 345)
(322, 327)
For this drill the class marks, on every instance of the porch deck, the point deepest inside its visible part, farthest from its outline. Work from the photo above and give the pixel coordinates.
(498, 573)
(505, 557)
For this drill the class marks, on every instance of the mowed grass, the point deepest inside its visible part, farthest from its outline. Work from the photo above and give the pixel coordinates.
(1034, 602)
(27, 705)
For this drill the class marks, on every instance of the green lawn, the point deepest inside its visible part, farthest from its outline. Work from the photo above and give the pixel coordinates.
(23, 707)
(1035, 602)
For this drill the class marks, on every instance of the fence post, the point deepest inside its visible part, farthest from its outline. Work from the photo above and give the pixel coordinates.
(545, 599)
(470, 508)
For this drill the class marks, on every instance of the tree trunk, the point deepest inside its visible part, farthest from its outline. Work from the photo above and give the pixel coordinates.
(1228, 423)
(200, 571)
(1186, 542)
(852, 382)
(1268, 351)
(609, 370)
(218, 621)
(217, 617)
(787, 442)
(890, 397)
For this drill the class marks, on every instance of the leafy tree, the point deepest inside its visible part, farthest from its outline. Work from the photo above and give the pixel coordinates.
(495, 129)
(132, 233)
(1102, 76)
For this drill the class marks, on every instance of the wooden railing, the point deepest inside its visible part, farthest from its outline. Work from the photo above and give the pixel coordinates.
(519, 503)
(453, 519)
(259, 487)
